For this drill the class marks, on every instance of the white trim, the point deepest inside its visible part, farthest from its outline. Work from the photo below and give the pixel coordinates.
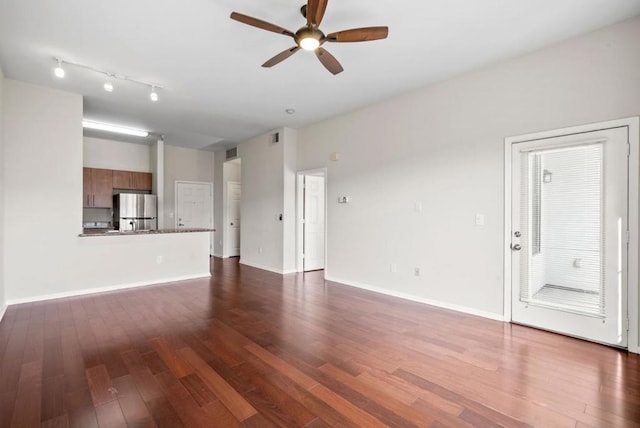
(299, 219)
(105, 289)
(633, 296)
(3, 311)
(267, 268)
(411, 297)
(633, 124)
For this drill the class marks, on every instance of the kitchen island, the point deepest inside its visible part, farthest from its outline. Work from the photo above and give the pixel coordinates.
(108, 232)
(112, 260)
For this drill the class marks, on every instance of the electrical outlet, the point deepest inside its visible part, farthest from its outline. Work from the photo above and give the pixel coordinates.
(260, 250)
(159, 260)
(394, 267)
(416, 271)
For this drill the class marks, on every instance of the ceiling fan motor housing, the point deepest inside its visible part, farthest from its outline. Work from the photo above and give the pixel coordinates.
(308, 33)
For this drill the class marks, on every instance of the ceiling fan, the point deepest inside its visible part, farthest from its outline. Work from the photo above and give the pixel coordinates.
(311, 38)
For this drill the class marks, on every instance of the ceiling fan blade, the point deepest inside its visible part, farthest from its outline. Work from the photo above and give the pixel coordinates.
(329, 61)
(359, 34)
(281, 57)
(315, 12)
(259, 23)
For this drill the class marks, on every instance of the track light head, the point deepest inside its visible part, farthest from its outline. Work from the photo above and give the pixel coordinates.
(59, 71)
(153, 95)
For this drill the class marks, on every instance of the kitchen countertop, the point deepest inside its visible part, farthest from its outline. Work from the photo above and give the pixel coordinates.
(107, 232)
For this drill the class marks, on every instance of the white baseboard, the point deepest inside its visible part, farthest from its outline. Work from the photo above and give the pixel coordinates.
(444, 305)
(3, 310)
(103, 289)
(267, 268)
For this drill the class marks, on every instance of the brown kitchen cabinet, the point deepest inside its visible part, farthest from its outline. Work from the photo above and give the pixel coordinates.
(131, 180)
(97, 188)
(141, 180)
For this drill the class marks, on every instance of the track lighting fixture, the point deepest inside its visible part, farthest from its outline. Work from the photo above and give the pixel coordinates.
(153, 95)
(59, 71)
(108, 84)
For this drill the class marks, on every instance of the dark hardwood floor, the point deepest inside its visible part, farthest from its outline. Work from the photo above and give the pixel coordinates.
(252, 348)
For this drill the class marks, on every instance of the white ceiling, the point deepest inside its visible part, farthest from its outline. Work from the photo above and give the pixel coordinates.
(214, 88)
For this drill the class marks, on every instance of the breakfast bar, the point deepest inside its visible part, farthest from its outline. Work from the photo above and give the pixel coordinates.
(115, 259)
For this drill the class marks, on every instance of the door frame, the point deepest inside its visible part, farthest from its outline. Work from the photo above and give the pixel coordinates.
(175, 206)
(225, 215)
(633, 124)
(300, 214)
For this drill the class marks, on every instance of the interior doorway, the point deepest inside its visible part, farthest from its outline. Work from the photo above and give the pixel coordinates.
(233, 217)
(232, 209)
(194, 206)
(311, 213)
(571, 215)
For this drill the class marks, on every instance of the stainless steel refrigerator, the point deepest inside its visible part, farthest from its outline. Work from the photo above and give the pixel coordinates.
(133, 211)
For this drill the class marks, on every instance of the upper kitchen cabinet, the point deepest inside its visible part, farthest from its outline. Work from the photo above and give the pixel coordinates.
(130, 180)
(141, 180)
(98, 188)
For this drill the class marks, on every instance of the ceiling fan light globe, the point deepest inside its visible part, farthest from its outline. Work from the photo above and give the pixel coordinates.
(309, 43)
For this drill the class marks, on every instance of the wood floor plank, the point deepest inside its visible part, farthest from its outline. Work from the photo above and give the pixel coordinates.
(102, 390)
(53, 403)
(110, 415)
(285, 368)
(198, 389)
(250, 348)
(61, 421)
(170, 358)
(186, 407)
(133, 407)
(409, 416)
(232, 400)
(145, 381)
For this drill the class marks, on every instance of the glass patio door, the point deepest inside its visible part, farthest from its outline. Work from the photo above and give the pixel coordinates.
(569, 237)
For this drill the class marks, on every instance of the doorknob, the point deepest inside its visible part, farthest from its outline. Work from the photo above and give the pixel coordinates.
(180, 224)
(516, 247)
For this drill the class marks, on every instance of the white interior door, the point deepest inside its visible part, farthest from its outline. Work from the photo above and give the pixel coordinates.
(569, 242)
(234, 190)
(313, 222)
(194, 205)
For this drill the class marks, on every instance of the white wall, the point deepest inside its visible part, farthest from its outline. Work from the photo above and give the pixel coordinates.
(43, 167)
(218, 194)
(3, 302)
(266, 170)
(111, 154)
(290, 145)
(442, 146)
(157, 171)
(182, 164)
